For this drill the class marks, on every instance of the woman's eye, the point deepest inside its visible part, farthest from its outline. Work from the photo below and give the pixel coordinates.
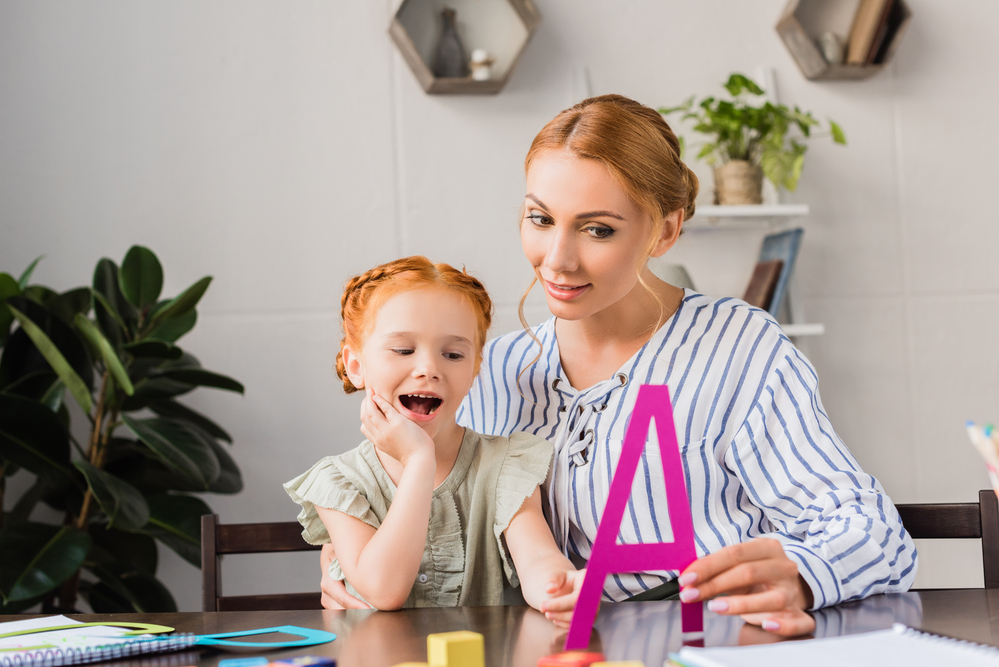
(600, 232)
(539, 219)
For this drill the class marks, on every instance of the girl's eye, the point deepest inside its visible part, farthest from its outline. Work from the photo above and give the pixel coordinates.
(454, 356)
(600, 232)
(539, 219)
(402, 350)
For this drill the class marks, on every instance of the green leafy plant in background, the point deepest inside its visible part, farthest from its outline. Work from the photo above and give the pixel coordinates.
(739, 130)
(113, 348)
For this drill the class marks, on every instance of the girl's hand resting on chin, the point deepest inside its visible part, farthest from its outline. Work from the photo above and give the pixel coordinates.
(390, 432)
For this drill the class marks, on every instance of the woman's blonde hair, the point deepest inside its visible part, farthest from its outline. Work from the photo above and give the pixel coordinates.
(364, 294)
(638, 148)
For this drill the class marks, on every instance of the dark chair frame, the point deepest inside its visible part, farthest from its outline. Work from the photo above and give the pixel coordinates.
(218, 539)
(962, 521)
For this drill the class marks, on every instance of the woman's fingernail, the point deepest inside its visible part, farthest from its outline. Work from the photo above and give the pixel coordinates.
(689, 594)
(687, 579)
(771, 625)
(717, 605)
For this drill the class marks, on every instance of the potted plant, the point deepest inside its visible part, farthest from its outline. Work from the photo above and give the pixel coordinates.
(105, 499)
(747, 141)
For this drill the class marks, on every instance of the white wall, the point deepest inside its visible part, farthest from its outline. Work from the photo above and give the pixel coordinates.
(282, 146)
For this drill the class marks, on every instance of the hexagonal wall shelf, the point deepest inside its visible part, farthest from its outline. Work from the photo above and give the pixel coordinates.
(803, 23)
(501, 27)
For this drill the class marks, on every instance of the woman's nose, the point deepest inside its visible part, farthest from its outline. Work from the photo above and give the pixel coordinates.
(562, 255)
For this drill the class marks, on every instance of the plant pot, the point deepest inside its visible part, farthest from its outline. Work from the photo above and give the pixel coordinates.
(738, 182)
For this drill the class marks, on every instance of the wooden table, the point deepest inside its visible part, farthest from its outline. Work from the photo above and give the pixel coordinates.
(645, 631)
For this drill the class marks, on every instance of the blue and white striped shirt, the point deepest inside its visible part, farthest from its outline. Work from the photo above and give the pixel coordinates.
(759, 452)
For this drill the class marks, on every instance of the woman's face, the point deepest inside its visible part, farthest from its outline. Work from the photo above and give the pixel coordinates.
(584, 236)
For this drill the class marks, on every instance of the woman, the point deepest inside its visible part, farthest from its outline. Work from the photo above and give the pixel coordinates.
(784, 518)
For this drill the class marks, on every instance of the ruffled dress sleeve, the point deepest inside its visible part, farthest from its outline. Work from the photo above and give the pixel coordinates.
(325, 485)
(524, 469)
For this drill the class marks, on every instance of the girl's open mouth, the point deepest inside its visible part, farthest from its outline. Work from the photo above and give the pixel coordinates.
(421, 404)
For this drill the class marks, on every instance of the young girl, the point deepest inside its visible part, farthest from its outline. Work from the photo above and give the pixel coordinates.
(425, 512)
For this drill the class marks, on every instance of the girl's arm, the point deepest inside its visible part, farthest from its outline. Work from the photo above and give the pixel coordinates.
(548, 579)
(382, 564)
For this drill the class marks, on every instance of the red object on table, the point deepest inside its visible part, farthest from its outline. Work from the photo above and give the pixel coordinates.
(571, 659)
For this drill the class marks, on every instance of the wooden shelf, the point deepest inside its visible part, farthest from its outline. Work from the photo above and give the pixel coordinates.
(502, 27)
(745, 217)
(804, 21)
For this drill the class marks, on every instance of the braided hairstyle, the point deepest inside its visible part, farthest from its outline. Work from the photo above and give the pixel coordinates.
(364, 294)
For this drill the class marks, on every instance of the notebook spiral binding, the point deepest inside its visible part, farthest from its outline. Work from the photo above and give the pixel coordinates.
(963, 644)
(54, 657)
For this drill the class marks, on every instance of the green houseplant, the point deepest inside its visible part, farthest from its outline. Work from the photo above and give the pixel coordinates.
(104, 501)
(747, 141)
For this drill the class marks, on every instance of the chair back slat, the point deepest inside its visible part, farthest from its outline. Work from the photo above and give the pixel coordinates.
(942, 520)
(247, 538)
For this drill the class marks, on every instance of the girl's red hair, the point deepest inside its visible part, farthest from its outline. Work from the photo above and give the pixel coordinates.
(363, 295)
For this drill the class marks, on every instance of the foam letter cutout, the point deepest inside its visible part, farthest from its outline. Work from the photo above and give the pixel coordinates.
(607, 556)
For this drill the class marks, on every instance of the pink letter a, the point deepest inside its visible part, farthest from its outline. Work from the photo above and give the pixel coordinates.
(608, 556)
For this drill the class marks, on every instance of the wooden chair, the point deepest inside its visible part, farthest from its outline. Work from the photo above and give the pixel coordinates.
(247, 538)
(960, 520)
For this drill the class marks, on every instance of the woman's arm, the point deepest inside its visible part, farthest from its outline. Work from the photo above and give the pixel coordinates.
(836, 535)
(549, 581)
(382, 564)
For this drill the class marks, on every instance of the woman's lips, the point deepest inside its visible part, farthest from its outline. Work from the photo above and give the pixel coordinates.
(565, 292)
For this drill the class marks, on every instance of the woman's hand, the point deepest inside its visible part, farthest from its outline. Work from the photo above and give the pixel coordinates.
(564, 591)
(758, 581)
(335, 595)
(392, 433)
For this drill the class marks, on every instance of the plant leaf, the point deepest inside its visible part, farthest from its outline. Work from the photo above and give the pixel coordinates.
(171, 330)
(8, 288)
(32, 436)
(156, 349)
(184, 303)
(200, 377)
(141, 277)
(180, 447)
(111, 360)
(26, 503)
(124, 506)
(171, 408)
(22, 282)
(135, 550)
(36, 558)
(175, 520)
(55, 359)
(837, 133)
(127, 590)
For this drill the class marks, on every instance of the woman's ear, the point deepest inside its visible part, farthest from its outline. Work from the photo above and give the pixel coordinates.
(671, 232)
(352, 365)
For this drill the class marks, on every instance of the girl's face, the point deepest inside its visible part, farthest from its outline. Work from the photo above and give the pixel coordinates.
(584, 236)
(419, 355)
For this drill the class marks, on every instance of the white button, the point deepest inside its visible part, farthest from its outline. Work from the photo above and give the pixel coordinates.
(423, 578)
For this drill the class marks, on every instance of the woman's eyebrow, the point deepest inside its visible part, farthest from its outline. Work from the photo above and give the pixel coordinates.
(581, 216)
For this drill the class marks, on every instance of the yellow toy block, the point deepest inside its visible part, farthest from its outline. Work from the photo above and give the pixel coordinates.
(456, 649)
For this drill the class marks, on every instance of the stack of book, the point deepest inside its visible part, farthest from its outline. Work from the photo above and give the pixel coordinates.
(874, 27)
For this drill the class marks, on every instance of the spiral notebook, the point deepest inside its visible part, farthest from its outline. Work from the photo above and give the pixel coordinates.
(53, 641)
(898, 645)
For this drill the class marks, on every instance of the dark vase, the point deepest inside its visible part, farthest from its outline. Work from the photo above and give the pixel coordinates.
(450, 60)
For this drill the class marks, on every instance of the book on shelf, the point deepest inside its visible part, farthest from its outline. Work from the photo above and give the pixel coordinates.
(760, 290)
(896, 18)
(784, 247)
(864, 30)
(881, 32)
